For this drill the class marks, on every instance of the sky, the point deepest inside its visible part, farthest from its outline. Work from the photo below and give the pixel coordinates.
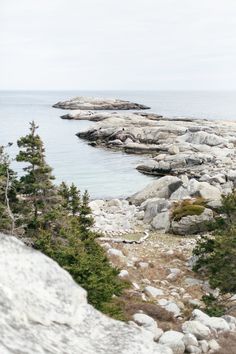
(118, 44)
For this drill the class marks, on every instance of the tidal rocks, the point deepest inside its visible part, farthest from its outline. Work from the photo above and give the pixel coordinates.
(44, 311)
(92, 103)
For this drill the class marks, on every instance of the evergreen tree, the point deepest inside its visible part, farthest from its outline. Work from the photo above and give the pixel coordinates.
(85, 218)
(36, 185)
(216, 256)
(71, 198)
(8, 199)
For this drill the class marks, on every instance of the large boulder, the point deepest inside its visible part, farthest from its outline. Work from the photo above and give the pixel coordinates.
(193, 224)
(161, 188)
(214, 323)
(199, 330)
(44, 311)
(154, 206)
(161, 221)
(174, 340)
(203, 190)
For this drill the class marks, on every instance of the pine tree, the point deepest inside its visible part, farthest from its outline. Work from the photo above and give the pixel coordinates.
(74, 199)
(85, 218)
(36, 185)
(70, 198)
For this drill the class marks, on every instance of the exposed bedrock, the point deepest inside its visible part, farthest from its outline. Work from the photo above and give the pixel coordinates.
(198, 148)
(44, 311)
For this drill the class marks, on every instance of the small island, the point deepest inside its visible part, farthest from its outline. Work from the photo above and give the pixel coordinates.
(86, 103)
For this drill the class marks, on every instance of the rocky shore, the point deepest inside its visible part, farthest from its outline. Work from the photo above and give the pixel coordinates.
(193, 160)
(150, 235)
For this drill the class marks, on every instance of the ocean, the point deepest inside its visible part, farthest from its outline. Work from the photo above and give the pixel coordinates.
(102, 172)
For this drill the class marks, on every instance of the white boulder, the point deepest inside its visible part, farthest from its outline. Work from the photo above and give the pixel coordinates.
(44, 311)
(199, 330)
(174, 340)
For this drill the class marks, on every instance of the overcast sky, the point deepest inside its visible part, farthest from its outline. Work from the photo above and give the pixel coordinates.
(118, 44)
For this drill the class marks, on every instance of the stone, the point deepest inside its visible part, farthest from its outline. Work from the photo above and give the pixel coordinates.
(193, 224)
(161, 221)
(161, 188)
(189, 281)
(214, 323)
(193, 349)
(213, 345)
(43, 310)
(174, 340)
(170, 306)
(203, 344)
(199, 330)
(154, 206)
(174, 273)
(153, 292)
(203, 190)
(231, 321)
(180, 194)
(116, 253)
(123, 274)
(190, 339)
(143, 265)
(149, 324)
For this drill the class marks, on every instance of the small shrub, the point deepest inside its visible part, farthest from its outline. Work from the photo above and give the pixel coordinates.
(185, 210)
(213, 307)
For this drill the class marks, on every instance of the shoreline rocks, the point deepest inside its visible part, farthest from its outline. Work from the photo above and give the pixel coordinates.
(93, 103)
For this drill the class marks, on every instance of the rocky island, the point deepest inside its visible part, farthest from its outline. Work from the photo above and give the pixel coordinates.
(92, 103)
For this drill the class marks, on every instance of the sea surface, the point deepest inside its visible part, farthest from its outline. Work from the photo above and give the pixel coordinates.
(104, 173)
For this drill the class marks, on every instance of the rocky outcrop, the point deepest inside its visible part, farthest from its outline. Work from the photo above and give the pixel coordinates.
(44, 311)
(92, 103)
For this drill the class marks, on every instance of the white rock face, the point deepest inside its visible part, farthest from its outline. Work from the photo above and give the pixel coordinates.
(43, 311)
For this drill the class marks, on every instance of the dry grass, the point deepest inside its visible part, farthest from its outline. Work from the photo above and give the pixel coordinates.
(131, 304)
(227, 343)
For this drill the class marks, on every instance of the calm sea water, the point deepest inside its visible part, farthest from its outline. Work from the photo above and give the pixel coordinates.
(104, 173)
